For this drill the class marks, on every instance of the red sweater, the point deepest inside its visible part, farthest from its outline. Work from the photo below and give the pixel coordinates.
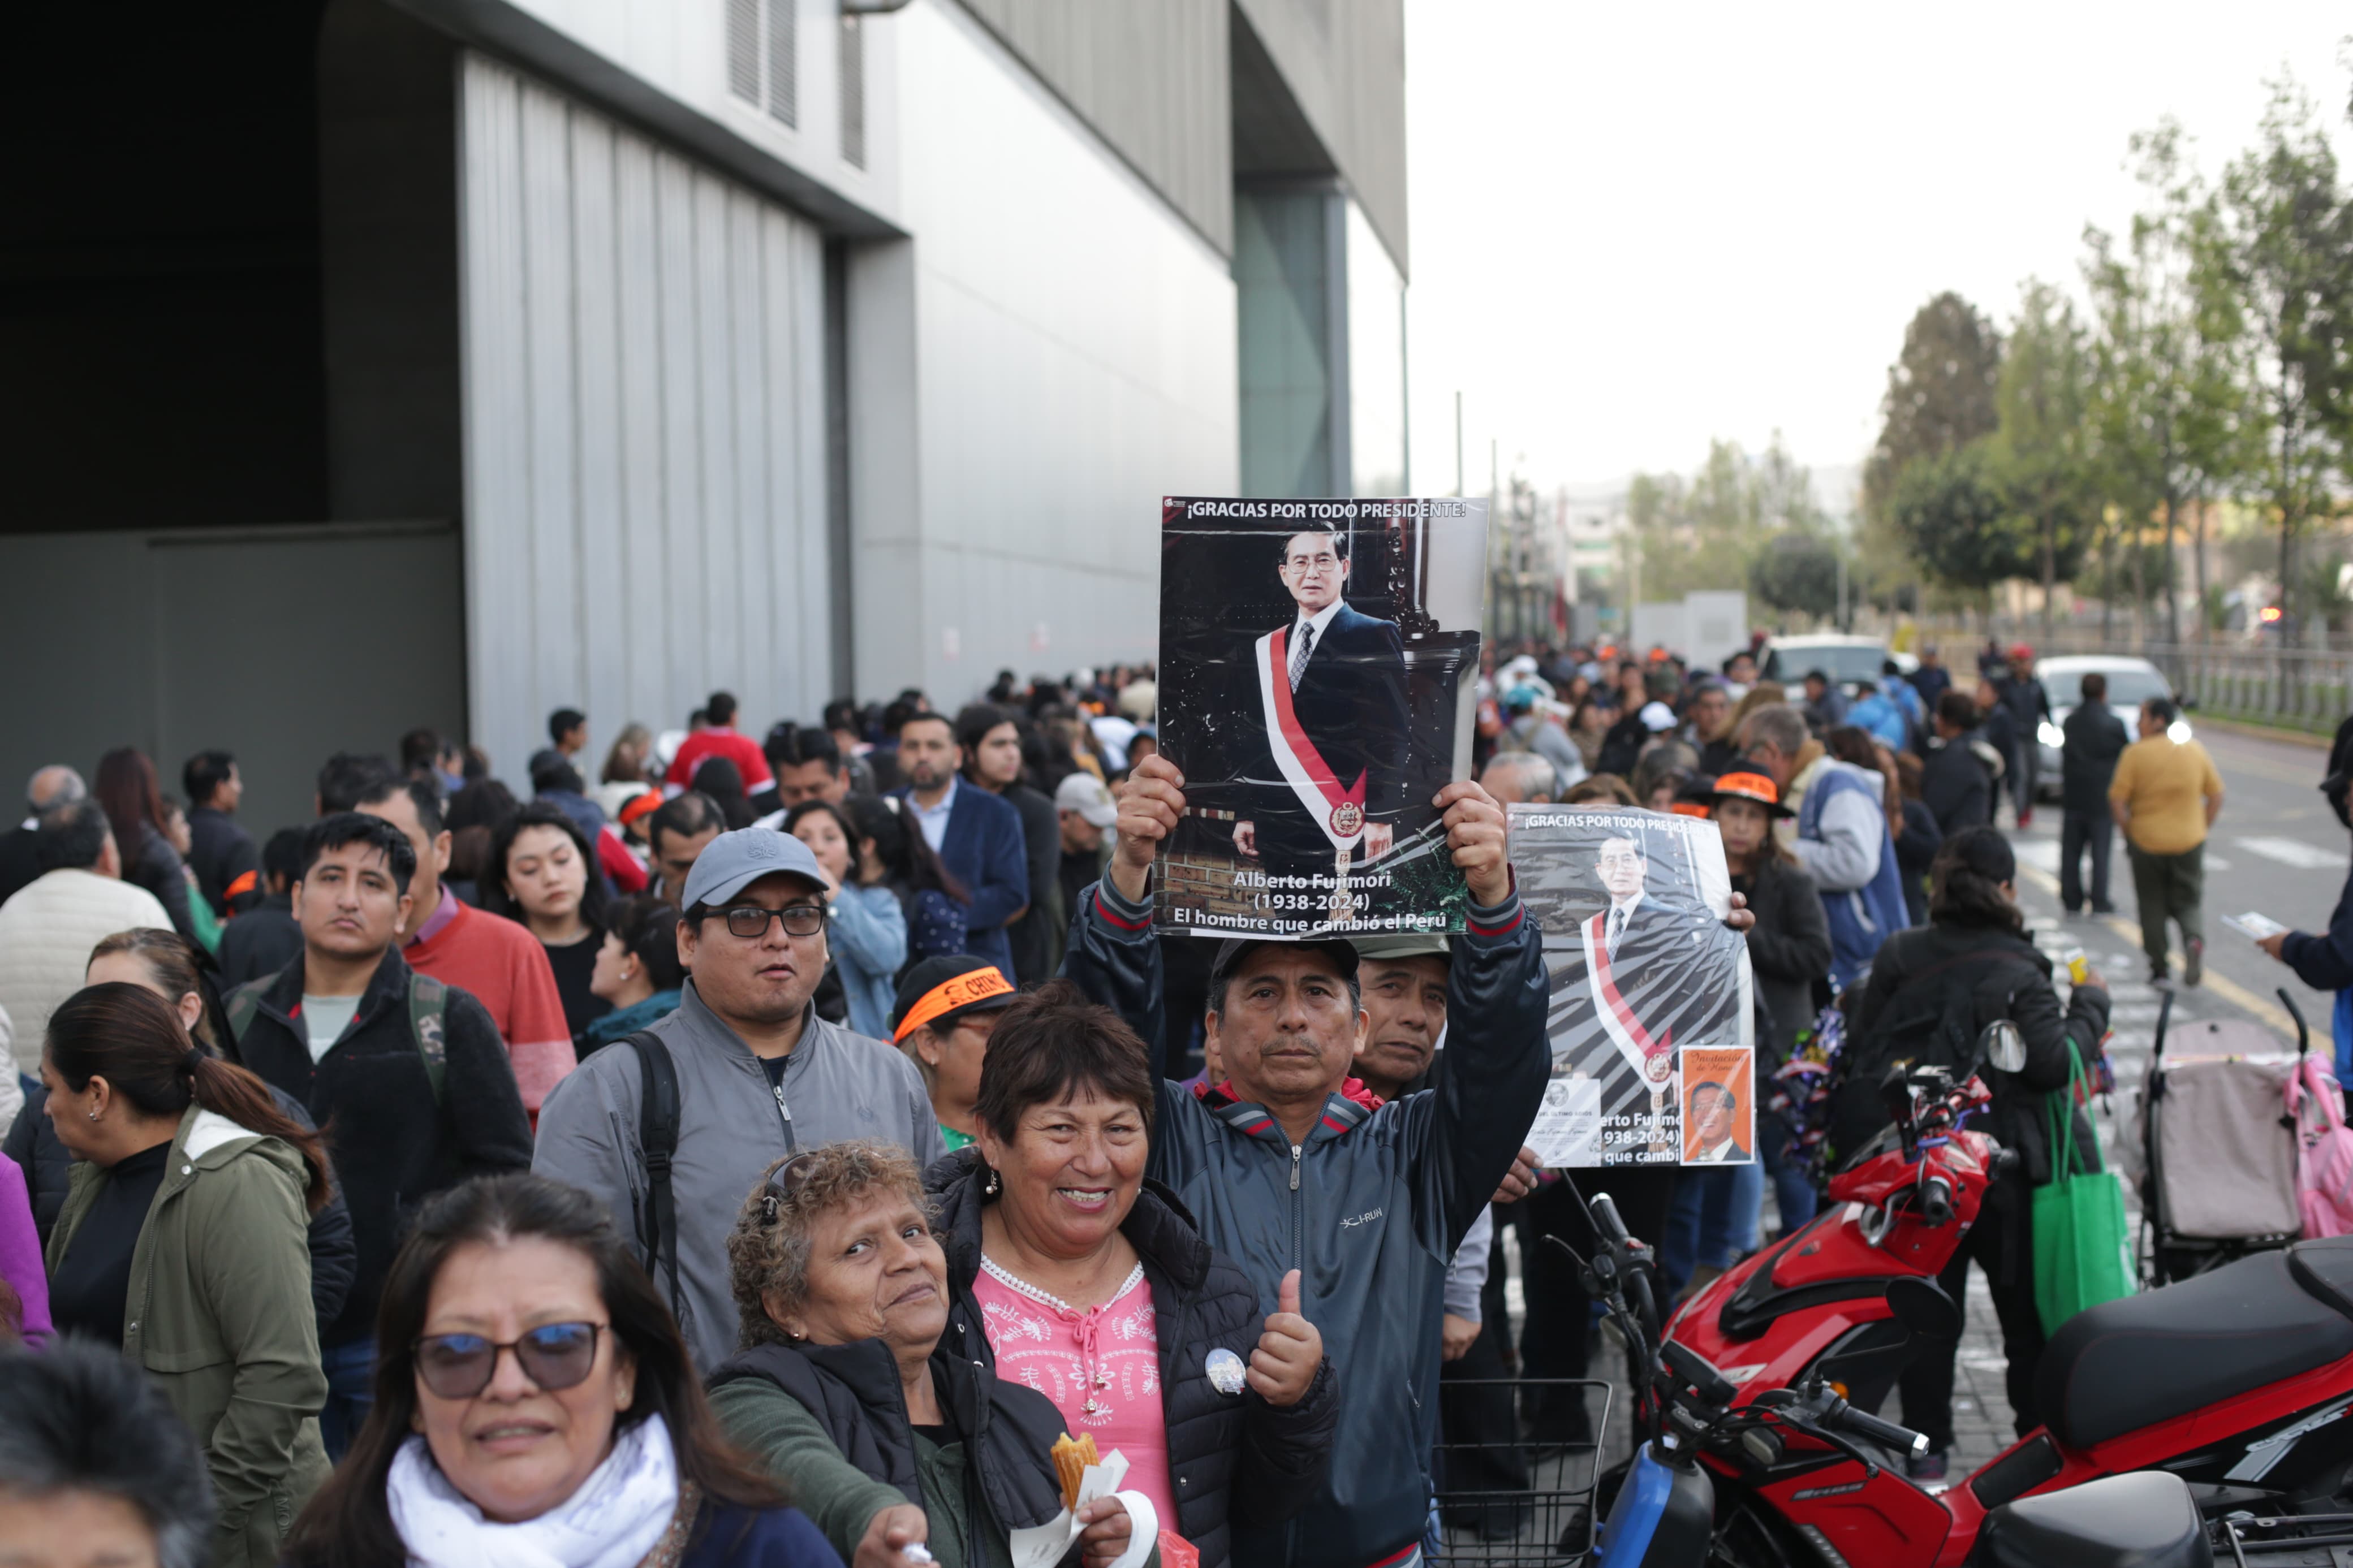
(506, 970)
(721, 741)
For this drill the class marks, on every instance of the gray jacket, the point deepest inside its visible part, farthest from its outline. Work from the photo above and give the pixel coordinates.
(732, 1127)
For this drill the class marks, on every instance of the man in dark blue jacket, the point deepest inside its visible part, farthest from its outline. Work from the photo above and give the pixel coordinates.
(1285, 1169)
(977, 835)
(2094, 739)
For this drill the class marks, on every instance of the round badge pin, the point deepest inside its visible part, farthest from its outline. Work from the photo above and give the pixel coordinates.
(1225, 1370)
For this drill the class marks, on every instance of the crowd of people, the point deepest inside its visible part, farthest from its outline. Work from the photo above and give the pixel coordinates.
(770, 1152)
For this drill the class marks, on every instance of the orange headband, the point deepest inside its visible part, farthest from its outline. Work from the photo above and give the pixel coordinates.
(962, 991)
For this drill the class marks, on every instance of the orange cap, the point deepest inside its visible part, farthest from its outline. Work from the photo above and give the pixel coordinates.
(1749, 786)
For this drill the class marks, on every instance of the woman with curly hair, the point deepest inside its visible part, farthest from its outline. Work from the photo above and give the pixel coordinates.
(889, 1441)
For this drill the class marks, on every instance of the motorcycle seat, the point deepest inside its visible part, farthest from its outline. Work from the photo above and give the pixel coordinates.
(2325, 1267)
(2141, 1359)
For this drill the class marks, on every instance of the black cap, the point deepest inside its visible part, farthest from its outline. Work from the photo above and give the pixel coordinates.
(934, 972)
(1342, 953)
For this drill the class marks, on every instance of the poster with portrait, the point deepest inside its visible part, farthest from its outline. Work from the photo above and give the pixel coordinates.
(1317, 660)
(1652, 1019)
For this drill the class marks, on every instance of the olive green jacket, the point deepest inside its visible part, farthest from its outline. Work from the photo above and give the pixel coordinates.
(218, 1312)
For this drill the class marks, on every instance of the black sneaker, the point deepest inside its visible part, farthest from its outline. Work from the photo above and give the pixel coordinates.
(2193, 961)
(1927, 1466)
(2158, 977)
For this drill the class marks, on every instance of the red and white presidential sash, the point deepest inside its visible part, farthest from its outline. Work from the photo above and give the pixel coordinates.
(1642, 1053)
(1339, 813)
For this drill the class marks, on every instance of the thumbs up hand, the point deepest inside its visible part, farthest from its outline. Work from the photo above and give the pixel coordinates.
(1289, 1351)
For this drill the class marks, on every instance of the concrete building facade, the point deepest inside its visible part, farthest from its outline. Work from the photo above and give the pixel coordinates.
(377, 363)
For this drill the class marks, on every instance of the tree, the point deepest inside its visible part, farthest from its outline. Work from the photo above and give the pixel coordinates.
(2039, 451)
(1959, 521)
(1705, 532)
(1797, 572)
(2289, 238)
(1940, 393)
(1939, 398)
(2167, 404)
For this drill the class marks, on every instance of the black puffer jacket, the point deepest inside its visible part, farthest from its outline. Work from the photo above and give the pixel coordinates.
(1966, 977)
(1232, 1460)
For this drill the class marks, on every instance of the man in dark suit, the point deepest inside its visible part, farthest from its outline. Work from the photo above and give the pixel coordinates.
(977, 835)
(2094, 739)
(1713, 1112)
(1652, 986)
(1326, 698)
(56, 784)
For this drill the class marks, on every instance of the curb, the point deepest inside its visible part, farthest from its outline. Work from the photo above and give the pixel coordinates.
(2319, 742)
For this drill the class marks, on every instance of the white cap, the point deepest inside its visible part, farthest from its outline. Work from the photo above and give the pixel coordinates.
(1657, 716)
(1085, 794)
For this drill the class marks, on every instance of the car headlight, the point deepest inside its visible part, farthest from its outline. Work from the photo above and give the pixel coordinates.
(2051, 734)
(2178, 732)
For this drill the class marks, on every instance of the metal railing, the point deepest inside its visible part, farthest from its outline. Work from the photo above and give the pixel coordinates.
(2295, 688)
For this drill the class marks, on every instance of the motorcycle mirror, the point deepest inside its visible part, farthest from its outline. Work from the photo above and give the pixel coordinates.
(1923, 1308)
(2003, 1046)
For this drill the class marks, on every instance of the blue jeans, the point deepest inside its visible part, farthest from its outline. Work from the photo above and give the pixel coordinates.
(1793, 1187)
(351, 1390)
(1712, 1221)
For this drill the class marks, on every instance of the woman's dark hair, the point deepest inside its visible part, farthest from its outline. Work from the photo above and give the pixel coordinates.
(498, 899)
(1966, 880)
(348, 1523)
(1051, 1042)
(484, 804)
(648, 927)
(179, 966)
(909, 863)
(131, 1038)
(722, 781)
(841, 815)
(133, 802)
(474, 814)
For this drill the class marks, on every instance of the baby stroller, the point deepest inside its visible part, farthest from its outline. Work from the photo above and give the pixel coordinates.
(2215, 1145)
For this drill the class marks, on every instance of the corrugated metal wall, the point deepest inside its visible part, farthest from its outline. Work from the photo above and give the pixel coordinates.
(1150, 77)
(644, 437)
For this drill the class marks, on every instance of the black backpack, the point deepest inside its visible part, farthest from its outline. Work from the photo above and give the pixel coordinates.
(1920, 1026)
(658, 1124)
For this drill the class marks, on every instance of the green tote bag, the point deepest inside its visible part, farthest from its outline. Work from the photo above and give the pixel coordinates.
(2082, 1248)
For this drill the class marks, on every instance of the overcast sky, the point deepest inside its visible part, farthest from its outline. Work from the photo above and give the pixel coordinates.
(1635, 227)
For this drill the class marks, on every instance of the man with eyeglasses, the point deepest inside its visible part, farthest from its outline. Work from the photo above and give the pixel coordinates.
(759, 1076)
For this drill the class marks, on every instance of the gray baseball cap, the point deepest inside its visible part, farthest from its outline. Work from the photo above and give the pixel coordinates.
(734, 861)
(1084, 794)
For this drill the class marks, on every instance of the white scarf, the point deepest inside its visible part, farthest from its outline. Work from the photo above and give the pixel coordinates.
(616, 1518)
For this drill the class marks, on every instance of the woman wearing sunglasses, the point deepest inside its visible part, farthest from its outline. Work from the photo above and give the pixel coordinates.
(182, 1242)
(534, 1405)
(890, 1443)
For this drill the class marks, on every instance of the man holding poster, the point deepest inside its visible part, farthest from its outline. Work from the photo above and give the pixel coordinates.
(1328, 695)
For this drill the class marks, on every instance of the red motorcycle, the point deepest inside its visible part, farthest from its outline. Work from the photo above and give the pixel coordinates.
(2238, 1381)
